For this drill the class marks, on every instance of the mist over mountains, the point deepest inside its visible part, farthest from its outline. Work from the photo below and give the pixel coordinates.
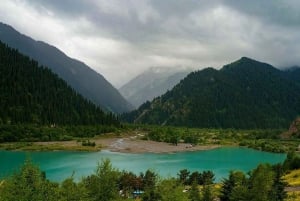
(243, 94)
(152, 83)
(32, 94)
(78, 75)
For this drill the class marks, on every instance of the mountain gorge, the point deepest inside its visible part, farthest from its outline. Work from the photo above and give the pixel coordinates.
(151, 83)
(243, 94)
(32, 94)
(79, 76)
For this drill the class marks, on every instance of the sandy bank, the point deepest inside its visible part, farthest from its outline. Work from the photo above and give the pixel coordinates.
(129, 145)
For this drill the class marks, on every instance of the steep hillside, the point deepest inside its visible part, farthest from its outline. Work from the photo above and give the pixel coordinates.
(33, 94)
(243, 94)
(294, 130)
(79, 76)
(151, 83)
(294, 73)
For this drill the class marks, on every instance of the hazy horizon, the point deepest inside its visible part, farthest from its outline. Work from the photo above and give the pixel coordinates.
(121, 39)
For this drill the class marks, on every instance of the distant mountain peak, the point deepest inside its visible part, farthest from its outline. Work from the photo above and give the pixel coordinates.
(246, 60)
(247, 63)
(152, 83)
(244, 94)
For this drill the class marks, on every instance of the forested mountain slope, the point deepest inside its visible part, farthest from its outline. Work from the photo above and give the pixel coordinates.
(30, 93)
(243, 94)
(79, 76)
(294, 74)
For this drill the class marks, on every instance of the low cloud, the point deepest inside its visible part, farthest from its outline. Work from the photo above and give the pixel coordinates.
(120, 39)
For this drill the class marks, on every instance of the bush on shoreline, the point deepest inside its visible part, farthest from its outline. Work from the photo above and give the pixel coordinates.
(109, 184)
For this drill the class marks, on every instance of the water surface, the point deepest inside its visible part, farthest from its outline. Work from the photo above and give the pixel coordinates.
(61, 164)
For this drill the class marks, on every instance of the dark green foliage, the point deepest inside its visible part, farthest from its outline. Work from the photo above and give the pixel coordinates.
(278, 192)
(235, 181)
(72, 191)
(260, 139)
(184, 176)
(81, 77)
(170, 189)
(149, 186)
(102, 186)
(244, 94)
(263, 184)
(207, 193)
(260, 183)
(195, 177)
(206, 178)
(151, 195)
(294, 74)
(201, 178)
(33, 94)
(292, 162)
(88, 143)
(149, 179)
(194, 193)
(28, 184)
(31, 133)
(166, 135)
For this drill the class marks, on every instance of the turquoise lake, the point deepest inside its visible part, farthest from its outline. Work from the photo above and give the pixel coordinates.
(59, 165)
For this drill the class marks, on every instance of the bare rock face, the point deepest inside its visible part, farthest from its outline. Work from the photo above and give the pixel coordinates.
(295, 127)
(294, 130)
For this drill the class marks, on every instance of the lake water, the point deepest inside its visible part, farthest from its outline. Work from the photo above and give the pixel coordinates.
(61, 164)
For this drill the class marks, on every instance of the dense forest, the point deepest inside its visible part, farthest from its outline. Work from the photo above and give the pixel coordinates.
(78, 75)
(264, 183)
(294, 74)
(32, 94)
(245, 94)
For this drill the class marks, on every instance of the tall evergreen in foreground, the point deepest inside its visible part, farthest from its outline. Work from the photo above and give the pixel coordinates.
(35, 95)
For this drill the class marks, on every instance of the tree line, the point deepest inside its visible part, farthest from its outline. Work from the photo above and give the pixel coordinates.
(246, 94)
(45, 133)
(107, 183)
(33, 94)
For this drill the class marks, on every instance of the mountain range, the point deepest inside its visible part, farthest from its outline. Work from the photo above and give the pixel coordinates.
(78, 75)
(152, 83)
(243, 94)
(33, 94)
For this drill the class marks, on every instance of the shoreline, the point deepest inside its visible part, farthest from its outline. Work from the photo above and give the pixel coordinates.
(147, 146)
(113, 144)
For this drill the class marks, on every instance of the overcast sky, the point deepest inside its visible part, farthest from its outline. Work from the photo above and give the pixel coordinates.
(121, 38)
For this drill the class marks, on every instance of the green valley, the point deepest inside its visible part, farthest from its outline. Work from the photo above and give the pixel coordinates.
(149, 100)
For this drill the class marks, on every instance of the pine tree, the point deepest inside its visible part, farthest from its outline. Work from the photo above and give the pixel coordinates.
(194, 193)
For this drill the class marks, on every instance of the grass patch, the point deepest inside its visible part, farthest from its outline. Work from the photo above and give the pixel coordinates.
(293, 196)
(293, 178)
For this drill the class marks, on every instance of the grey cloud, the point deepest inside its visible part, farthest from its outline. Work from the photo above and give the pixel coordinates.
(284, 13)
(183, 32)
(65, 8)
